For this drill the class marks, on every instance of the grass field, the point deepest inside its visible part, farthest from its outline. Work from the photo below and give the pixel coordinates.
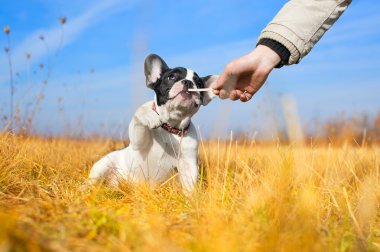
(250, 198)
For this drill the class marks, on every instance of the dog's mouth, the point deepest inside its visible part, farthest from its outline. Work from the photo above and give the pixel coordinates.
(184, 93)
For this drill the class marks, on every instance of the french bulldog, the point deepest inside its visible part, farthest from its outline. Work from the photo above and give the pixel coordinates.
(162, 137)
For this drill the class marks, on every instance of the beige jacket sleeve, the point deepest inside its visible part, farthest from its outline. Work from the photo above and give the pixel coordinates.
(301, 23)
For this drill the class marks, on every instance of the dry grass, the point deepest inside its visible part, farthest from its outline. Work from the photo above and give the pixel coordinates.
(250, 198)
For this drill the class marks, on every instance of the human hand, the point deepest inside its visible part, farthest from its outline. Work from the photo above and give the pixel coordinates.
(243, 77)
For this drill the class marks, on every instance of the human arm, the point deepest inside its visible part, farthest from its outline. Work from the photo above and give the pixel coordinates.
(300, 24)
(288, 37)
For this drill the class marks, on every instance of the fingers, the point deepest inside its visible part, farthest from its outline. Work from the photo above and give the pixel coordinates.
(223, 94)
(244, 97)
(227, 80)
(228, 84)
(250, 91)
(247, 94)
(244, 76)
(257, 80)
(244, 90)
(235, 94)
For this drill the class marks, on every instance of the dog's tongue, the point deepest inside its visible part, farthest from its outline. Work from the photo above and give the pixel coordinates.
(185, 93)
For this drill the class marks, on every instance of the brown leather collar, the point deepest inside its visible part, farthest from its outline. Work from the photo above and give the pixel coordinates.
(170, 129)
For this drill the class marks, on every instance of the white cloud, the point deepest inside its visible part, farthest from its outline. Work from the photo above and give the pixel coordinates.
(57, 36)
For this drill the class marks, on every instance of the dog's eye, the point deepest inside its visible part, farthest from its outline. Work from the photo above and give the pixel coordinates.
(171, 77)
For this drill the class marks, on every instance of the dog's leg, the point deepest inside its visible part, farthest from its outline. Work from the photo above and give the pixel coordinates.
(139, 129)
(101, 169)
(188, 171)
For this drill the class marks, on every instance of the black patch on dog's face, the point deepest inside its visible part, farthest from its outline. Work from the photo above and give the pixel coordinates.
(167, 80)
(199, 82)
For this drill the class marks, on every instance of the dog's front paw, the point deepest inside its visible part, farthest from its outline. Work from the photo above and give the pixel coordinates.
(151, 121)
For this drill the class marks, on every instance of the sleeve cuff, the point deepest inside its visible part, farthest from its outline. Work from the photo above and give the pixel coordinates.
(278, 48)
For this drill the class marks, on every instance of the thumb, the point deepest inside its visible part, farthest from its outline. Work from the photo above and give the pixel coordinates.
(227, 80)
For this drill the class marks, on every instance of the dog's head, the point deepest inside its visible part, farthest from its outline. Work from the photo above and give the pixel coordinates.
(172, 85)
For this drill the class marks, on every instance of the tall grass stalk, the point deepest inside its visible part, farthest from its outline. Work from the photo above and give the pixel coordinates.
(50, 66)
(8, 50)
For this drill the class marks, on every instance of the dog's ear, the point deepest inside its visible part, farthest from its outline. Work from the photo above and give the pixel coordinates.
(208, 95)
(153, 68)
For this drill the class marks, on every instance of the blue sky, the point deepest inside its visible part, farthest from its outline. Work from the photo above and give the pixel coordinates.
(96, 61)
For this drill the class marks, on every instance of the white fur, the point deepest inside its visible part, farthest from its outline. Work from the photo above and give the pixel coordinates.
(156, 71)
(152, 155)
(189, 74)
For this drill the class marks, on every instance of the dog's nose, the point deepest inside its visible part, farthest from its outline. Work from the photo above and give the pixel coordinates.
(187, 83)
